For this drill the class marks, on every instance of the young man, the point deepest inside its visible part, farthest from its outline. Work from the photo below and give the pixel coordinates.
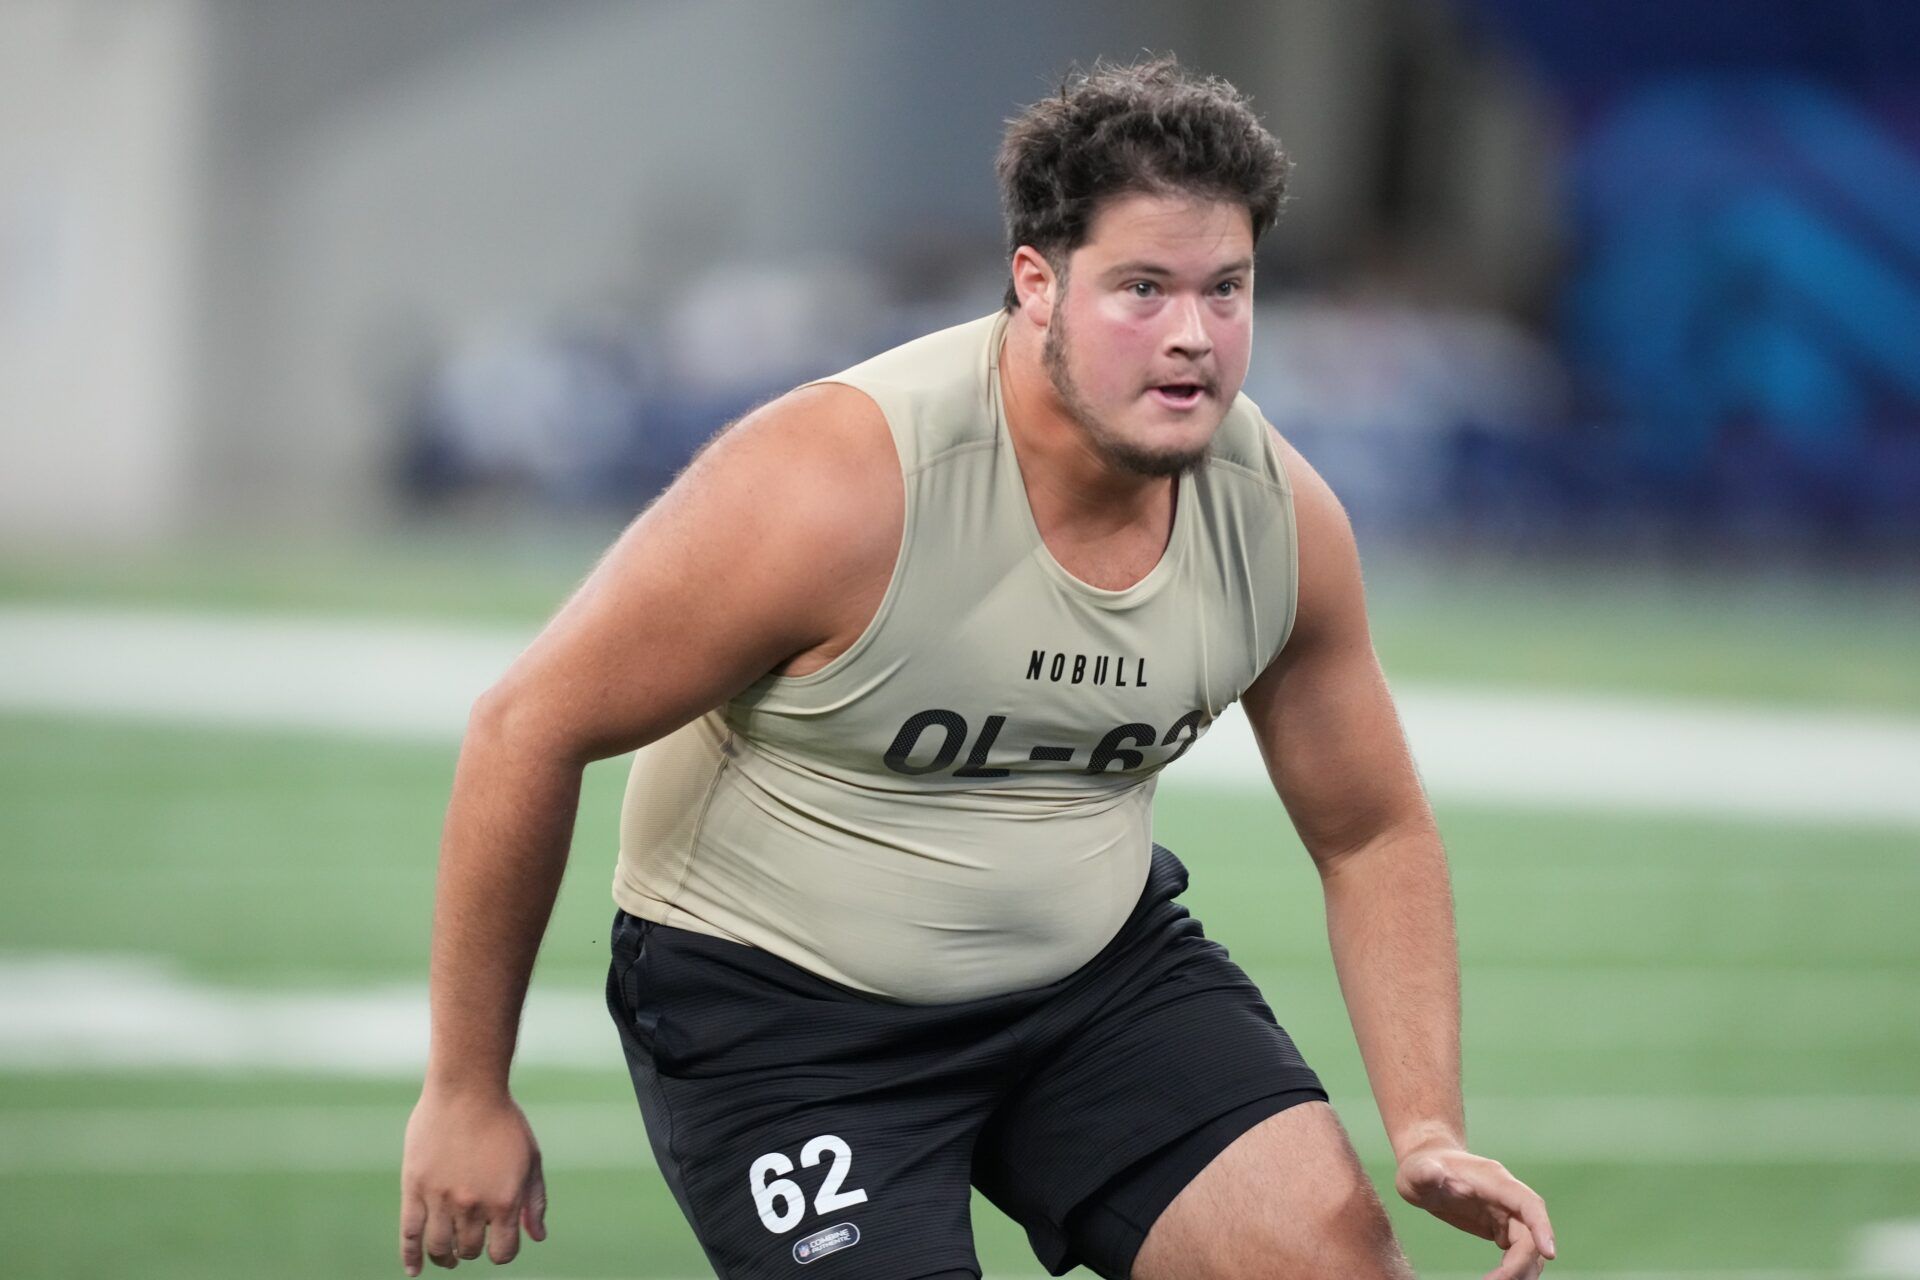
(903, 653)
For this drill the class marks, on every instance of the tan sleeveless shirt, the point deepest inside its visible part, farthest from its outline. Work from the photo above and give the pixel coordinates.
(960, 804)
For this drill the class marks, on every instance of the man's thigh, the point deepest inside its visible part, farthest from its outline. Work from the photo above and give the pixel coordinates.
(1288, 1198)
(845, 1187)
(797, 1126)
(1137, 1079)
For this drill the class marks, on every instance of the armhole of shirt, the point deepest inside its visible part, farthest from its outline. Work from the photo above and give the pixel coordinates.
(866, 637)
(1271, 437)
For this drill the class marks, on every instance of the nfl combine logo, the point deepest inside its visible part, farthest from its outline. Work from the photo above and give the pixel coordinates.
(821, 1243)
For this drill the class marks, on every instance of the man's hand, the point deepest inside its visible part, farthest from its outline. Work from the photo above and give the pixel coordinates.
(469, 1179)
(1479, 1196)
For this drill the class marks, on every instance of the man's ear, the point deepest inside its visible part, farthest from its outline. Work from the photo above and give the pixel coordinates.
(1035, 284)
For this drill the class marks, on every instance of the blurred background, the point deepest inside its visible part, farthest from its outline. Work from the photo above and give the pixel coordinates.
(337, 340)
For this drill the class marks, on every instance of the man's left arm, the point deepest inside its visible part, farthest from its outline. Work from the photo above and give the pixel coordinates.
(1335, 750)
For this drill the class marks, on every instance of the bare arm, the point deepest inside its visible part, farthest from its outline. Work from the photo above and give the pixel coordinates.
(1334, 748)
(741, 564)
(762, 550)
(1336, 753)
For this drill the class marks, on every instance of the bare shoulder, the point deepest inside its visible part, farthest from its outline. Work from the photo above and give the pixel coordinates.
(824, 430)
(776, 543)
(818, 463)
(796, 510)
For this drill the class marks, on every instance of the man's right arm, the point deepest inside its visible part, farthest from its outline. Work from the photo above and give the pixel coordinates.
(750, 558)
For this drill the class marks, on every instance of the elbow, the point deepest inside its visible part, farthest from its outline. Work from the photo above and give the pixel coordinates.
(491, 714)
(1414, 835)
(518, 721)
(1406, 853)
(1330, 861)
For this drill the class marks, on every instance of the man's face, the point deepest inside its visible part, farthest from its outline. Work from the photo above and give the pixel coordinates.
(1148, 340)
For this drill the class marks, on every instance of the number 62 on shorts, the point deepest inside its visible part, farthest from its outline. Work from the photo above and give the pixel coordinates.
(781, 1203)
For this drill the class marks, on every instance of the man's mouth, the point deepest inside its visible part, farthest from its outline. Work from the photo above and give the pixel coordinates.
(1179, 395)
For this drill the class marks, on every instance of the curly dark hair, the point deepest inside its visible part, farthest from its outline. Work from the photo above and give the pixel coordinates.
(1150, 127)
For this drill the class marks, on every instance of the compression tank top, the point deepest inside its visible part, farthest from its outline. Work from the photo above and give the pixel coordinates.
(959, 805)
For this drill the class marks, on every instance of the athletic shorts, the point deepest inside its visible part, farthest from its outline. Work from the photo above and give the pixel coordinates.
(810, 1131)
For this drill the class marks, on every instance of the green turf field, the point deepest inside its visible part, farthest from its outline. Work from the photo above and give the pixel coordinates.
(1817, 637)
(1700, 1039)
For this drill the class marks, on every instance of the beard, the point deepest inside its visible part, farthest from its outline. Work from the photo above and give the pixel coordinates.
(1111, 445)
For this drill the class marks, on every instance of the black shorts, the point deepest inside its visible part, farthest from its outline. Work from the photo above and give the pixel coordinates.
(803, 1124)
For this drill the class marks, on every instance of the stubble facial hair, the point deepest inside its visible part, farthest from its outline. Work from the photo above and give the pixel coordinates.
(1122, 453)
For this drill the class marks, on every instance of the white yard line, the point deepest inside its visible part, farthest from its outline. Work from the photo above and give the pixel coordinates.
(1556, 751)
(380, 679)
(342, 1138)
(122, 1015)
(417, 681)
(1888, 1249)
(130, 1013)
(1639, 1132)
(116, 1013)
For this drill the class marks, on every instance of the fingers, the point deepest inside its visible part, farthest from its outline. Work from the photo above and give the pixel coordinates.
(448, 1233)
(1522, 1260)
(503, 1239)
(470, 1231)
(413, 1222)
(456, 1228)
(470, 1175)
(437, 1239)
(1533, 1211)
(534, 1210)
(1516, 1198)
(1521, 1200)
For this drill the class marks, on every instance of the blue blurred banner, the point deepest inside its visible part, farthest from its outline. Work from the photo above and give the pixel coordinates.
(1873, 45)
(1742, 303)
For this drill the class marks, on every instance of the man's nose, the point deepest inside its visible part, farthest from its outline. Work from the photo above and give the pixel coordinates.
(1188, 336)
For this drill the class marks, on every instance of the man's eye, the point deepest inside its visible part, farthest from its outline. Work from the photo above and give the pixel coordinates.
(1227, 288)
(1143, 288)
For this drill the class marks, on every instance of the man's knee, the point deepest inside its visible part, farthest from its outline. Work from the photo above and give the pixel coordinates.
(1355, 1233)
(1287, 1199)
(1335, 1224)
